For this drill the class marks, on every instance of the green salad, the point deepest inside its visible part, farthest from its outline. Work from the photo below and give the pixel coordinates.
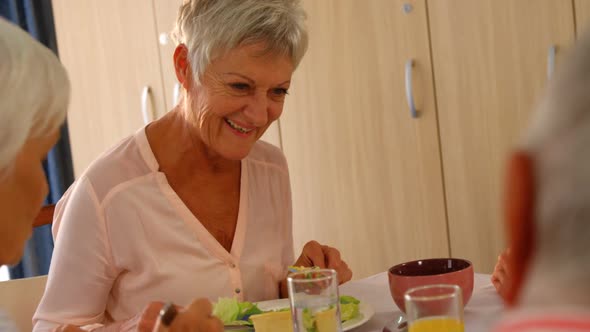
(232, 312)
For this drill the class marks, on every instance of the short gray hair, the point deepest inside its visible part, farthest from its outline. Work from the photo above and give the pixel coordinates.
(558, 141)
(34, 91)
(210, 27)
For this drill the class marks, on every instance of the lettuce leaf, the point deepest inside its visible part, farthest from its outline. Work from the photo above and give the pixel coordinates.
(345, 299)
(248, 309)
(348, 311)
(232, 312)
(349, 307)
(227, 310)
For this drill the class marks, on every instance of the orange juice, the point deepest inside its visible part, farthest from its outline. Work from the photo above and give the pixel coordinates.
(437, 324)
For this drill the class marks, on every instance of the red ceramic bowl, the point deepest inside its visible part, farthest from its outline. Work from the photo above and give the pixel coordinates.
(453, 271)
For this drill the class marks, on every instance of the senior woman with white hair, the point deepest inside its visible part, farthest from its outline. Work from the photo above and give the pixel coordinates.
(546, 275)
(193, 204)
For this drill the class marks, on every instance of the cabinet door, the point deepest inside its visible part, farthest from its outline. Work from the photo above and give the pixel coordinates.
(110, 50)
(490, 65)
(582, 16)
(366, 176)
(166, 12)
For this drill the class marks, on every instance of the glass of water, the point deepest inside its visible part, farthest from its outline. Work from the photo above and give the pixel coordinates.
(315, 304)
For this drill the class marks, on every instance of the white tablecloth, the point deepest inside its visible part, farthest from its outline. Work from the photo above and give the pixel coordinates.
(481, 312)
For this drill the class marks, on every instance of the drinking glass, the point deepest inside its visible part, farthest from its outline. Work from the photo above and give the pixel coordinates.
(434, 308)
(314, 299)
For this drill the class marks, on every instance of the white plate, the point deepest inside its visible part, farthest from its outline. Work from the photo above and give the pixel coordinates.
(365, 310)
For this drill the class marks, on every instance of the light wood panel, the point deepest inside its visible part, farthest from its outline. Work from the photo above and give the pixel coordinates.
(582, 16)
(110, 50)
(366, 176)
(490, 64)
(166, 12)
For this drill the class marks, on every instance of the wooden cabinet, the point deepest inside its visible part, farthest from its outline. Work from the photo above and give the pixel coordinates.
(490, 63)
(366, 175)
(582, 16)
(111, 53)
(165, 13)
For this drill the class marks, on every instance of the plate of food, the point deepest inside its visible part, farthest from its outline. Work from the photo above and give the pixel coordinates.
(274, 315)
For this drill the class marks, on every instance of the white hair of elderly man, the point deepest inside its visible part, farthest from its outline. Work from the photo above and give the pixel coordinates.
(558, 142)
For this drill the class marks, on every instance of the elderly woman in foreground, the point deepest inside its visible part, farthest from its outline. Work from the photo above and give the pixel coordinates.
(34, 93)
(193, 204)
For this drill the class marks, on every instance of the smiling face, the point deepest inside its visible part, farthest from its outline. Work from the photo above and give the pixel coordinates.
(22, 191)
(241, 93)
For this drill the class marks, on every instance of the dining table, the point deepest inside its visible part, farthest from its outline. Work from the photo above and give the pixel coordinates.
(481, 312)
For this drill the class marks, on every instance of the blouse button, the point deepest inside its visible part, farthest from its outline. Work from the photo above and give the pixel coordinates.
(237, 290)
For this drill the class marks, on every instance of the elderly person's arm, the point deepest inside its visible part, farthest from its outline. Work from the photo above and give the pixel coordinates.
(196, 317)
(82, 271)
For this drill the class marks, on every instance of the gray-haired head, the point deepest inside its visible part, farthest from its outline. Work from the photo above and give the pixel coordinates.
(558, 141)
(210, 27)
(34, 91)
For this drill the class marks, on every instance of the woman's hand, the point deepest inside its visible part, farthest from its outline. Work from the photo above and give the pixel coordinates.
(195, 318)
(501, 275)
(315, 254)
(145, 321)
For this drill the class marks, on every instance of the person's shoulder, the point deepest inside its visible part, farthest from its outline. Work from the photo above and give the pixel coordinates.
(540, 320)
(266, 154)
(121, 163)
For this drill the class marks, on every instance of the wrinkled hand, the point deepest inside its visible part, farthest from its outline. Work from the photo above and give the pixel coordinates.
(142, 322)
(501, 276)
(147, 319)
(197, 317)
(315, 254)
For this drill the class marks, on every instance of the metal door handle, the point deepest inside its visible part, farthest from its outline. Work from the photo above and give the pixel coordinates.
(551, 60)
(409, 89)
(148, 115)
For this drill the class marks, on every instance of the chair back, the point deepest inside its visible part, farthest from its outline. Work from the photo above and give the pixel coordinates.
(19, 299)
(45, 216)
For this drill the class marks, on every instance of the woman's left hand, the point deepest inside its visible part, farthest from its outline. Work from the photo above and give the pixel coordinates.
(315, 254)
(501, 275)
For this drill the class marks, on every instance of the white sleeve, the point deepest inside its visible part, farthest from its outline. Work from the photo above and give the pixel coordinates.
(82, 271)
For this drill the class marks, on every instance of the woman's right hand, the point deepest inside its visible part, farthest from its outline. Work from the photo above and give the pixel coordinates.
(197, 317)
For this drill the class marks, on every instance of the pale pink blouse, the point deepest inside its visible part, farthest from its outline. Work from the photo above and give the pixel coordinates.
(123, 238)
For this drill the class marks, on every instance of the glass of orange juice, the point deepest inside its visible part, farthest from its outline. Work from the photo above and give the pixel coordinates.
(434, 308)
